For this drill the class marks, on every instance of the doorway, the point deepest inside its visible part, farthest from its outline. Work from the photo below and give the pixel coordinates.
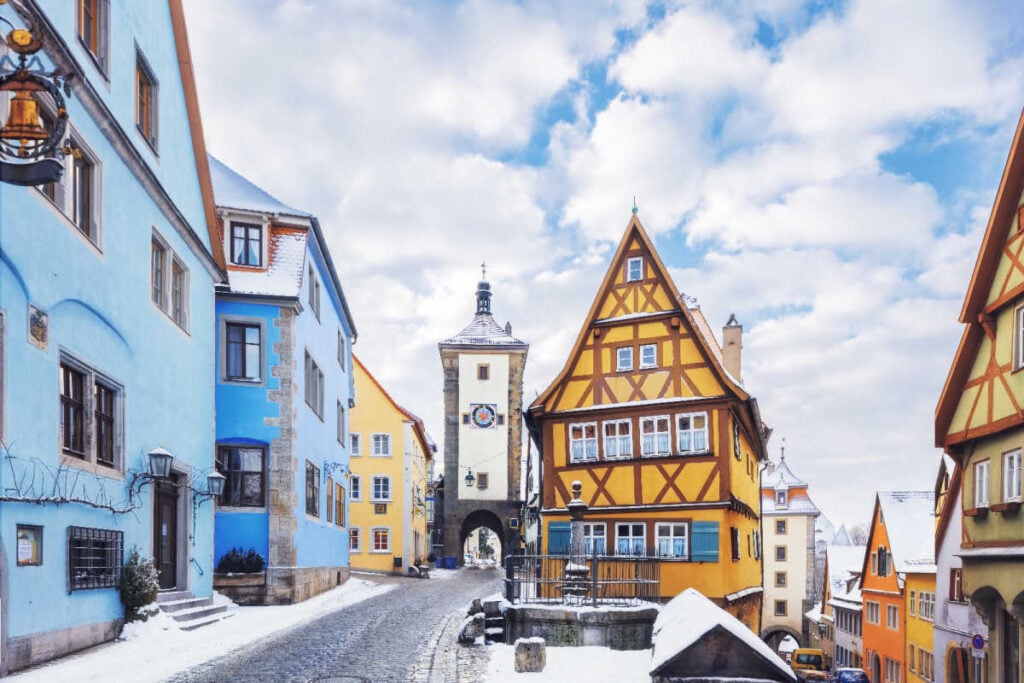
(165, 533)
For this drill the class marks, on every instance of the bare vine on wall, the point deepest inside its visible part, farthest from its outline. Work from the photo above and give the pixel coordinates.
(32, 481)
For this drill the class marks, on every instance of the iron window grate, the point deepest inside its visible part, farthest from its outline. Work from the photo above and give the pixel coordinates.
(95, 558)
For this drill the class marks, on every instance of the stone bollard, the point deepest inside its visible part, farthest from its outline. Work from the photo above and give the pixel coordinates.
(472, 628)
(530, 655)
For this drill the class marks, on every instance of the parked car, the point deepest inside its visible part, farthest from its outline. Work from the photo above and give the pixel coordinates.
(808, 664)
(848, 675)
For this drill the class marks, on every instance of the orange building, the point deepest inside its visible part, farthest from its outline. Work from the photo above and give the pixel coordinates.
(650, 414)
(900, 548)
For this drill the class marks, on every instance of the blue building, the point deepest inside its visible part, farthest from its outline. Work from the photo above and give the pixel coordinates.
(106, 335)
(284, 389)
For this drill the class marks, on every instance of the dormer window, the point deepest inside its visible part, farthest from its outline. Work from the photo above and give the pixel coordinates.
(634, 269)
(246, 244)
(780, 498)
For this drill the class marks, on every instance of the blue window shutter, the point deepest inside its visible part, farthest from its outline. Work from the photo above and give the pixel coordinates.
(558, 538)
(704, 542)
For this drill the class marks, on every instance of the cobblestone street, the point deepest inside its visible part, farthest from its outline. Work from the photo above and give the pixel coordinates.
(407, 634)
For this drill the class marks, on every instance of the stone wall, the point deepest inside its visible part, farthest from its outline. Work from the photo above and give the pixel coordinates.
(627, 628)
(32, 649)
(282, 586)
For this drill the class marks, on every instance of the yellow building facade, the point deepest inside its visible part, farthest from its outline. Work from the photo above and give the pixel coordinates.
(919, 592)
(649, 414)
(391, 454)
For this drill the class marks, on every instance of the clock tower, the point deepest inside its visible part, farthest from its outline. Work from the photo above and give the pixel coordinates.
(483, 395)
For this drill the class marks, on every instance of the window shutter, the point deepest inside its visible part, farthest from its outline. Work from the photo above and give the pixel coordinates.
(558, 538)
(705, 542)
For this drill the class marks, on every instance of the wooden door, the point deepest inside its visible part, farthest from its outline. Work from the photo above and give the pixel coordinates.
(165, 534)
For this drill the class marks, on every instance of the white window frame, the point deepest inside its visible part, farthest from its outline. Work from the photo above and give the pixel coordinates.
(892, 617)
(781, 497)
(1012, 476)
(585, 446)
(645, 351)
(1018, 338)
(384, 439)
(314, 385)
(90, 378)
(151, 137)
(982, 476)
(373, 540)
(169, 259)
(672, 528)
(355, 487)
(341, 350)
(635, 269)
(656, 437)
(355, 444)
(617, 446)
(340, 417)
(374, 481)
(624, 359)
(693, 434)
(247, 225)
(593, 532)
(355, 533)
(633, 550)
(873, 613)
(912, 608)
(926, 605)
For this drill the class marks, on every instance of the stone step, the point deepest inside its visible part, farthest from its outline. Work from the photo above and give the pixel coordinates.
(196, 613)
(206, 621)
(172, 595)
(172, 606)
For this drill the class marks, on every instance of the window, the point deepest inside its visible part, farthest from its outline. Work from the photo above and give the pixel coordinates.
(1018, 342)
(179, 293)
(314, 292)
(243, 351)
(244, 482)
(92, 29)
(874, 563)
(912, 603)
(83, 189)
(780, 579)
(95, 558)
(926, 605)
(692, 432)
(353, 540)
(341, 350)
(482, 480)
(757, 545)
(355, 443)
(630, 539)
(340, 427)
(87, 396)
(911, 650)
(892, 671)
(780, 553)
(381, 444)
(355, 487)
(483, 371)
(1011, 476)
(339, 504)
(312, 489)
(158, 259)
(673, 539)
(583, 442)
(634, 269)
(780, 608)
(594, 538)
(780, 526)
(654, 436)
(734, 538)
(381, 540)
(981, 480)
(872, 613)
(246, 244)
(145, 99)
(381, 489)
(314, 386)
(624, 359)
(956, 585)
(330, 500)
(736, 443)
(892, 617)
(883, 561)
(780, 498)
(648, 356)
(926, 664)
(618, 439)
(169, 282)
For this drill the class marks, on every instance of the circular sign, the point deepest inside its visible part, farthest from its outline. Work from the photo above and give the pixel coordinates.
(978, 641)
(482, 415)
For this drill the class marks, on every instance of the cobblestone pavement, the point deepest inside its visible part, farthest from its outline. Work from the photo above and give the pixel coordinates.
(407, 634)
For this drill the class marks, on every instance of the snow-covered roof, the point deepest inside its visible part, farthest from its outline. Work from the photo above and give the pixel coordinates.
(689, 617)
(814, 614)
(781, 477)
(844, 564)
(910, 524)
(232, 191)
(842, 536)
(284, 271)
(484, 331)
(797, 503)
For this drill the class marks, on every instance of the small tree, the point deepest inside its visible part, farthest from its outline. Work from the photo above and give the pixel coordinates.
(139, 585)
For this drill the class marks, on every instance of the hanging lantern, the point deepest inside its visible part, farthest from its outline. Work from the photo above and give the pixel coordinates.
(470, 479)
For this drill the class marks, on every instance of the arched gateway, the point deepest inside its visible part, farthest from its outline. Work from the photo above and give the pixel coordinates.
(483, 397)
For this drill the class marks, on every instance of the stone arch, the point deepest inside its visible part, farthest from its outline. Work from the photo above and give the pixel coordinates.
(488, 520)
(956, 663)
(876, 667)
(773, 635)
(987, 602)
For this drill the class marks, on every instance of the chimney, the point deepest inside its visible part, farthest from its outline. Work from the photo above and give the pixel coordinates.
(732, 346)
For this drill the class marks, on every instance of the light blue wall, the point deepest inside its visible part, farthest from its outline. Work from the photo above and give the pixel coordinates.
(98, 300)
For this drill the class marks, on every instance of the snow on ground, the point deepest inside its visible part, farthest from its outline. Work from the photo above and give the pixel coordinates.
(157, 649)
(591, 664)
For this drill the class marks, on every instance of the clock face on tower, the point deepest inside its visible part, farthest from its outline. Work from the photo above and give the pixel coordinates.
(482, 415)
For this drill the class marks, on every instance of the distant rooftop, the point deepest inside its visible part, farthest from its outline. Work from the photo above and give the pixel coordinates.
(909, 518)
(483, 330)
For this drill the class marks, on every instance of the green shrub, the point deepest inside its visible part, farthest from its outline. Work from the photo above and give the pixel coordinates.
(139, 585)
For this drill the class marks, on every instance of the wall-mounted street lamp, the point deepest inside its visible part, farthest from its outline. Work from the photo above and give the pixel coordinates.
(470, 479)
(160, 461)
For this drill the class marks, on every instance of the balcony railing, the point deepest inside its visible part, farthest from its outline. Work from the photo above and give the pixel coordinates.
(608, 580)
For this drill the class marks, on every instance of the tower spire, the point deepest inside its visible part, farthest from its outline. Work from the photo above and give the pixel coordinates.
(483, 292)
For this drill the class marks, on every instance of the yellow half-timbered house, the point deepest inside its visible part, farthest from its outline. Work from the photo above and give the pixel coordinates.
(650, 415)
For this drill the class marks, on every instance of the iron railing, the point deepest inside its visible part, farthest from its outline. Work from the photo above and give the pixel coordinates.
(608, 580)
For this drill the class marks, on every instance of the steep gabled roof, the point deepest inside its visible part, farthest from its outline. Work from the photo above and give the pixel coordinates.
(910, 524)
(429, 447)
(975, 309)
(950, 502)
(234, 191)
(712, 355)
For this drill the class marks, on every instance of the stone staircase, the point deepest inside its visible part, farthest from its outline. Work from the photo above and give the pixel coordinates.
(191, 612)
(494, 621)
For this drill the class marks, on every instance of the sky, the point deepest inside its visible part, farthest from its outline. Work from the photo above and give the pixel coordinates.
(824, 170)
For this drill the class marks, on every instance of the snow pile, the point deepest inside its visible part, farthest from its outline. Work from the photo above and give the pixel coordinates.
(590, 664)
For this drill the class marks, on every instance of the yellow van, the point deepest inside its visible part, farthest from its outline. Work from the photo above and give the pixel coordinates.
(809, 664)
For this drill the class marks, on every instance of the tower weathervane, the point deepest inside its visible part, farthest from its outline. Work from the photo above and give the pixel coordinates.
(483, 270)
(635, 209)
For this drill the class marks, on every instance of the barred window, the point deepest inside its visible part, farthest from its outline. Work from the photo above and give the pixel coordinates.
(95, 558)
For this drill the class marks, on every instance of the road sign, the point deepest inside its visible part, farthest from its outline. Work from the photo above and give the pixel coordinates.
(978, 641)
